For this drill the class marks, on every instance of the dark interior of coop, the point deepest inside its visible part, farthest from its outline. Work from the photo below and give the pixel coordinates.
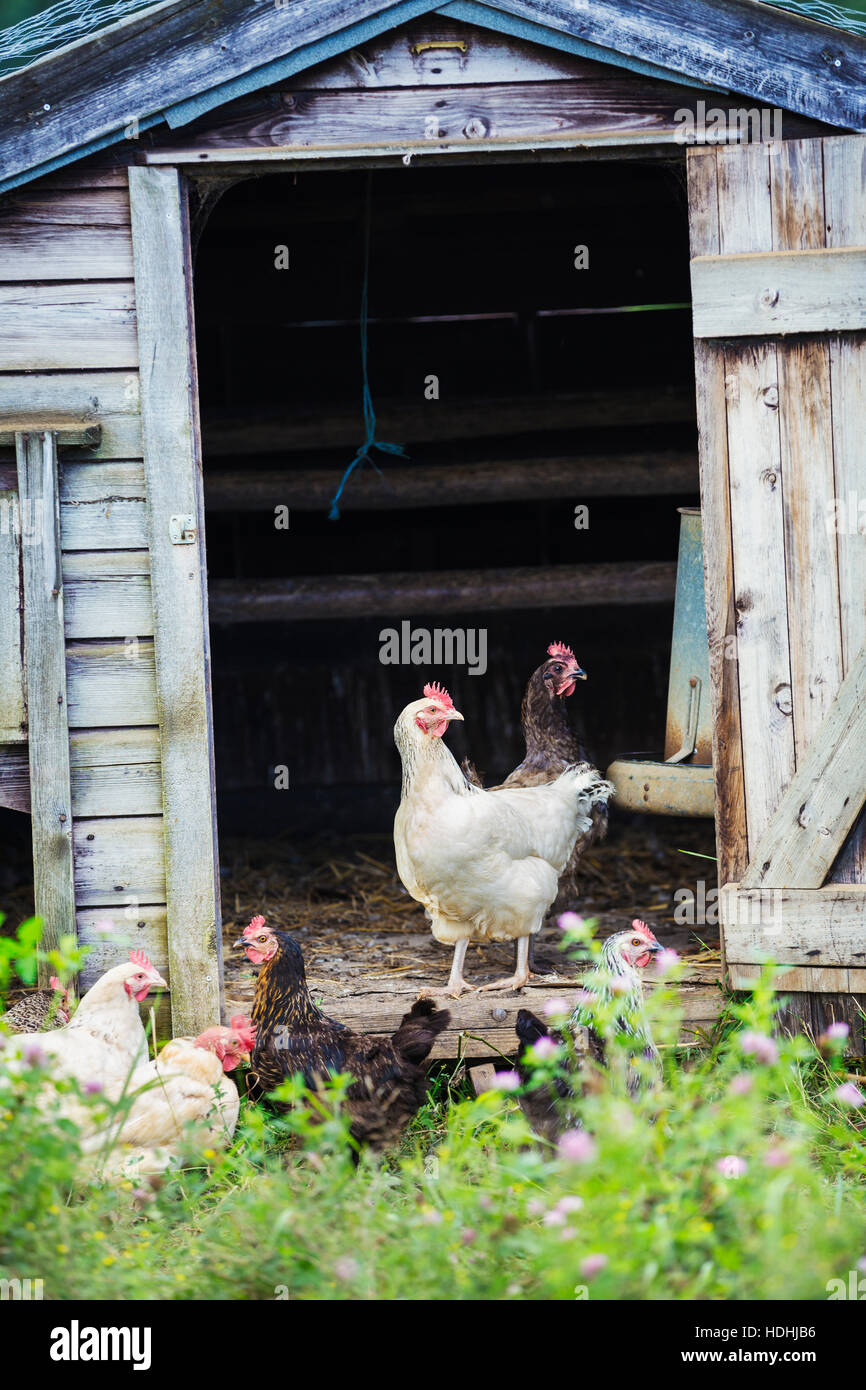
(543, 368)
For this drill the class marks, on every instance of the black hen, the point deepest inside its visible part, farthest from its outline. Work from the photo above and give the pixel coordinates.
(294, 1036)
(546, 1107)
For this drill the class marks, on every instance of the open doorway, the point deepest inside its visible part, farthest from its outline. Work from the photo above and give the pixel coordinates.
(528, 323)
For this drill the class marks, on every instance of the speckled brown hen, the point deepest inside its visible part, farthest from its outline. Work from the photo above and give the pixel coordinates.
(294, 1036)
(39, 1009)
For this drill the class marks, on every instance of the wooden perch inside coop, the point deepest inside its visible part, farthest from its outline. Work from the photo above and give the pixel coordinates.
(436, 421)
(308, 489)
(317, 597)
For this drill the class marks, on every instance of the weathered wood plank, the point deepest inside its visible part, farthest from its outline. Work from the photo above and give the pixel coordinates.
(425, 423)
(108, 594)
(65, 236)
(47, 707)
(103, 506)
(111, 398)
(435, 51)
(13, 712)
(68, 431)
(15, 777)
(112, 772)
(812, 928)
(754, 467)
(67, 326)
(845, 206)
(609, 104)
(806, 430)
(779, 292)
(308, 489)
(802, 979)
(802, 838)
(117, 791)
(111, 684)
(119, 861)
(730, 805)
(169, 405)
(316, 598)
(113, 747)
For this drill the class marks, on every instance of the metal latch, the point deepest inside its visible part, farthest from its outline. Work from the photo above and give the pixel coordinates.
(181, 529)
(434, 45)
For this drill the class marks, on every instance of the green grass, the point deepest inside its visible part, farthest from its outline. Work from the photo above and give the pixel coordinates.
(472, 1207)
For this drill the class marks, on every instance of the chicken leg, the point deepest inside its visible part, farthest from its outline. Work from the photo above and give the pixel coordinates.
(456, 983)
(522, 974)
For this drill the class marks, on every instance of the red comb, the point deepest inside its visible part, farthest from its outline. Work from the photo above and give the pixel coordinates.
(55, 983)
(139, 958)
(561, 650)
(255, 925)
(439, 693)
(245, 1030)
(638, 925)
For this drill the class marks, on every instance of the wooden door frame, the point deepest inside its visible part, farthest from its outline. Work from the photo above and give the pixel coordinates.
(178, 568)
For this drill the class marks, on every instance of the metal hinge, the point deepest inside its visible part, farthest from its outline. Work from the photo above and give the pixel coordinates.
(181, 529)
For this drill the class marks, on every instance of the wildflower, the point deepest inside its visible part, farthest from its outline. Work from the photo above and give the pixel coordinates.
(741, 1084)
(208, 1153)
(104, 926)
(109, 1260)
(431, 1217)
(777, 1157)
(534, 1207)
(570, 921)
(468, 1235)
(569, 1204)
(33, 1054)
(837, 1032)
(849, 1094)
(731, 1166)
(92, 1088)
(554, 1008)
(577, 1146)
(346, 1268)
(544, 1048)
(666, 960)
(759, 1046)
(620, 984)
(506, 1081)
(554, 1218)
(592, 1265)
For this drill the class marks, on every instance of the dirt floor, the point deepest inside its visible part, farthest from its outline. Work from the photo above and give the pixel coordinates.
(369, 950)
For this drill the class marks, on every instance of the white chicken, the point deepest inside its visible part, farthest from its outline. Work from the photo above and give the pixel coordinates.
(104, 1041)
(484, 864)
(186, 1097)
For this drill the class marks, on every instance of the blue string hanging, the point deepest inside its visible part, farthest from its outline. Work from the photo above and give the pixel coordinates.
(370, 440)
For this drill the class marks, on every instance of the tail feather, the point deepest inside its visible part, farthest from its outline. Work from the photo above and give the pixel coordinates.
(529, 1027)
(419, 1029)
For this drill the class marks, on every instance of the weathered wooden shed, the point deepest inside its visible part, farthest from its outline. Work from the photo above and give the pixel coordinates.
(114, 153)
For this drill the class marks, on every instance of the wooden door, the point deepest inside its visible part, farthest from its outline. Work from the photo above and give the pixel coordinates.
(778, 233)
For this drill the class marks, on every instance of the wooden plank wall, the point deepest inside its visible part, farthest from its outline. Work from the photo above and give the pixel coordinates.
(68, 343)
(793, 451)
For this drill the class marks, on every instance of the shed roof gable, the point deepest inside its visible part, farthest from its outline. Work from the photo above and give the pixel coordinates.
(184, 57)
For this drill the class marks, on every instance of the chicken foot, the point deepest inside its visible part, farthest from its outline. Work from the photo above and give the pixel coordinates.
(522, 974)
(456, 983)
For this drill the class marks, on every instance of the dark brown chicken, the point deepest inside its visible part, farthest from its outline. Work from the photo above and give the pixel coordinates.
(38, 1009)
(552, 745)
(293, 1036)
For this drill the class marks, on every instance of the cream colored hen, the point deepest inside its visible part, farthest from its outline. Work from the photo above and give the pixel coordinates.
(102, 1044)
(484, 864)
(185, 1099)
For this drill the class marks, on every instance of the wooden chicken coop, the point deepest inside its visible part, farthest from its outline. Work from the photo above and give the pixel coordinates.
(193, 203)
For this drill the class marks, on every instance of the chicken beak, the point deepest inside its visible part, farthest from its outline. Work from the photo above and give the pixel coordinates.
(454, 714)
(157, 982)
(578, 674)
(239, 945)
